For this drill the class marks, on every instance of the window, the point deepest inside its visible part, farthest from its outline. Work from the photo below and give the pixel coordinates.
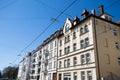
(65, 39)
(65, 63)
(54, 64)
(89, 75)
(106, 17)
(117, 45)
(88, 58)
(82, 75)
(55, 44)
(68, 63)
(115, 32)
(65, 50)
(82, 44)
(81, 31)
(68, 50)
(86, 28)
(68, 38)
(74, 46)
(51, 46)
(60, 64)
(75, 75)
(74, 35)
(60, 52)
(60, 42)
(119, 60)
(74, 60)
(110, 19)
(86, 42)
(67, 76)
(82, 59)
(67, 28)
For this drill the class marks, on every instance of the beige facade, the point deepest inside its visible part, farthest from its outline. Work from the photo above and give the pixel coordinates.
(86, 49)
(107, 35)
(93, 54)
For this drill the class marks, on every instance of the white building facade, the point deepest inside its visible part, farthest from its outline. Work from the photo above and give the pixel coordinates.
(24, 68)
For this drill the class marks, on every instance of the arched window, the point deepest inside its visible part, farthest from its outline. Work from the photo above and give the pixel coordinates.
(81, 31)
(86, 28)
(74, 35)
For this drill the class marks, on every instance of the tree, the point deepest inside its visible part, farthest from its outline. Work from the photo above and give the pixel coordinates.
(0, 74)
(10, 72)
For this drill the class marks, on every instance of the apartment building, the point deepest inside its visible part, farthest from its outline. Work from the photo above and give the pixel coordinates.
(89, 49)
(49, 58)
(83, 49)
(35, 65)
(24, 67)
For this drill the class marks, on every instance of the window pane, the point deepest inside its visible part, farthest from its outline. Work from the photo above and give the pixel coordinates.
(68, 63)
(87, 58)
(81, 31)
(68, 49)
(74, 35)
(117, 45)
(115, 32)
(89, 75)
(82, 44)
(74, 60)
(86, 28)
(119, 61)
(82, 75)
(74, 46)
(86, 42)
(82, 59)
(75, 75)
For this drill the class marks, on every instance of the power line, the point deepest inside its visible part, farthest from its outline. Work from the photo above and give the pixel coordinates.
(50, 7)
(45, 29)
(53, 22)
(11, 3)
(115, 2)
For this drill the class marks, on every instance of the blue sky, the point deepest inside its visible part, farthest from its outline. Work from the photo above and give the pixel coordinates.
(21, 21)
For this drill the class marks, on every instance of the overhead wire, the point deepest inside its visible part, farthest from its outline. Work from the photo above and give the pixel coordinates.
(11, 3)
(62, 12)
(52, 8)
(44, 29)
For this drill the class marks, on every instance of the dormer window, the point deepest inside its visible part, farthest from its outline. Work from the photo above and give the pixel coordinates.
(74, 22)
(106, 17)
(66, 28)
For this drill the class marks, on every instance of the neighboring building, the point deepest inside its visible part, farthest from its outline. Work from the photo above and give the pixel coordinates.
(35, 65)
(49, 58)
(83, 49)
(24, 68)
(89, 49)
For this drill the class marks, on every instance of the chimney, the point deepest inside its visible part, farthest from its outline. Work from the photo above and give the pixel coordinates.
(100, 10)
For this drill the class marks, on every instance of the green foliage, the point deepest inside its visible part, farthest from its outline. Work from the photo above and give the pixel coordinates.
(0, 74)
(10, 72)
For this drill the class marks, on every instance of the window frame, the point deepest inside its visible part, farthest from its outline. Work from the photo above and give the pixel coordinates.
(74, 47)
(83, 59)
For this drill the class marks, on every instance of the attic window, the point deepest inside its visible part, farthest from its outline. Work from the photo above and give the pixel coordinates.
(106, 17)
(74, 22)
(66, 28)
